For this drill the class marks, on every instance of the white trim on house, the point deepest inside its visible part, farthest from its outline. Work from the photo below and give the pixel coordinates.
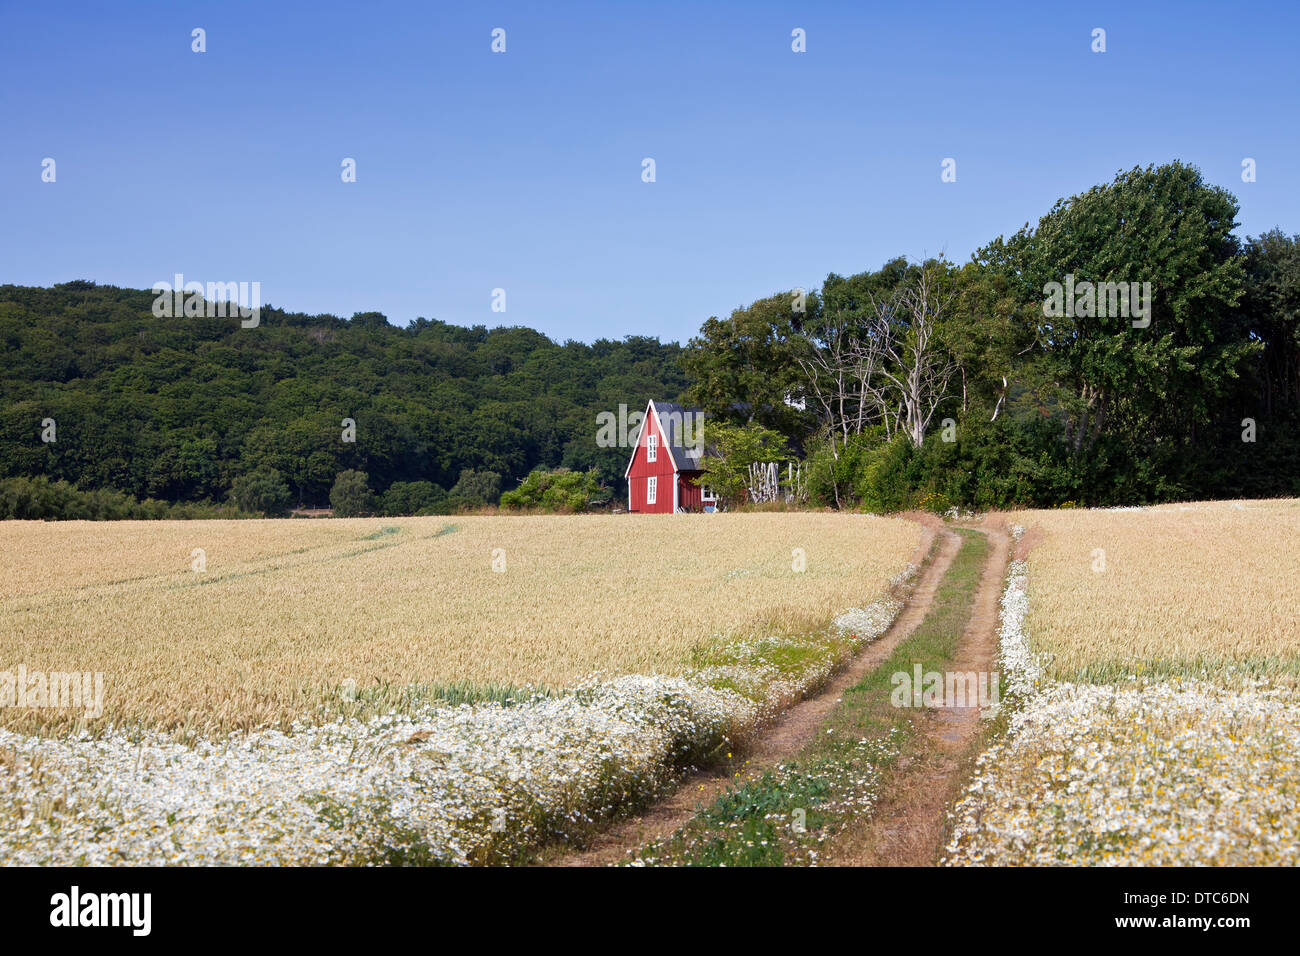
(652, 446)
(677, 492)
(640, 432)
(650, 409)
(652, 489)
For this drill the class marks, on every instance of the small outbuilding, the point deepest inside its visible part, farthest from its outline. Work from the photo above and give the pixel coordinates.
(666, 459)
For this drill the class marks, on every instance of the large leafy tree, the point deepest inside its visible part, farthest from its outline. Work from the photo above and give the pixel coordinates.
(745, 369)
(1146, 390)
(992, 335)
(262, 492)
(351, 496)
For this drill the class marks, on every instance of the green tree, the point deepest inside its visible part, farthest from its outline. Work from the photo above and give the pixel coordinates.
(1271, 315)
(178, 410)
(731, 450)
(411, 497)
(745, 366)
(1131, 399)
(351, 495)
(262, 492)
(476, 487)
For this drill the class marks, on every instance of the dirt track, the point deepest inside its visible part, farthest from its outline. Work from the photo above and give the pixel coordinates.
(784, 739)
(907, 827)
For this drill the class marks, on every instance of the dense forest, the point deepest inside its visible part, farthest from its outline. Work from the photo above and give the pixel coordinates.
(1128, 348)
(179, 410)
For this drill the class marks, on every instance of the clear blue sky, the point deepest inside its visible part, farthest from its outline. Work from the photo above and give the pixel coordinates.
(523, 171)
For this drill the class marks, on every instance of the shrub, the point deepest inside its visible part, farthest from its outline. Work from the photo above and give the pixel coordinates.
(869, 472)
(936, 502)
(732, 449)
(559, 490)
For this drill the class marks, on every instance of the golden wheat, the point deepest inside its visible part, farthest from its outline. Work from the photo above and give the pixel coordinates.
(1193, 590)
(285, 610)
(1170, 733)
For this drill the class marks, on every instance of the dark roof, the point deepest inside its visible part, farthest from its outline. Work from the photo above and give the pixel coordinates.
(679, 423)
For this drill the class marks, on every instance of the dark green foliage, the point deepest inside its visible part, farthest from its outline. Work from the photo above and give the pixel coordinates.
(559, 490)
(1046, 409)
(733, 448)
(262, 492)
(177, 409)
(351, 495)
(1148, 389)
(412, 498)
(745, 366)
(42, 499)
(1040, 410)
(476, 488)
(864, 473)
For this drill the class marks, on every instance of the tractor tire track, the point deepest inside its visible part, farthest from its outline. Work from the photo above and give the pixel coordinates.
(908, 825)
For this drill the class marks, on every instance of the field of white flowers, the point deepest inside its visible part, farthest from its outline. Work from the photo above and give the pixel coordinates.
(473, 783)
(1135, 772)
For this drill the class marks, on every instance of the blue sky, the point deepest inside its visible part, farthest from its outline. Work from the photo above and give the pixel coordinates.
(522, 170)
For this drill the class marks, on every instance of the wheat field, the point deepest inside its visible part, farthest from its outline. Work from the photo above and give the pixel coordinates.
(1151, 657)
(1209, 589)
(219, 625)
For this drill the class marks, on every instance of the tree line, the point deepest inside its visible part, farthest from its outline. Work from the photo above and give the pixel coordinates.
(107, 410)
(1128, 348)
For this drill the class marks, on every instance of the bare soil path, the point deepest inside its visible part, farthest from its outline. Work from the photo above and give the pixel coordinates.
(908, 825)
(783, 739)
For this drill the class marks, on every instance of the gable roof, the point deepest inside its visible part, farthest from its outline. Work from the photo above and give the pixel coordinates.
(671, 419)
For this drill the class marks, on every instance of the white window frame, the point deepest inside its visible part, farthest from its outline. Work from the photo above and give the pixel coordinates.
(706, 493)
(652, 447)
(652, 489)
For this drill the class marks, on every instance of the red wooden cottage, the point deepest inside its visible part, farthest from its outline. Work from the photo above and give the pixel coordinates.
(665, 458)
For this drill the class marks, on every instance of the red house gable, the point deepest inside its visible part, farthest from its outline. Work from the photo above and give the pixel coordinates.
(664, 462)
